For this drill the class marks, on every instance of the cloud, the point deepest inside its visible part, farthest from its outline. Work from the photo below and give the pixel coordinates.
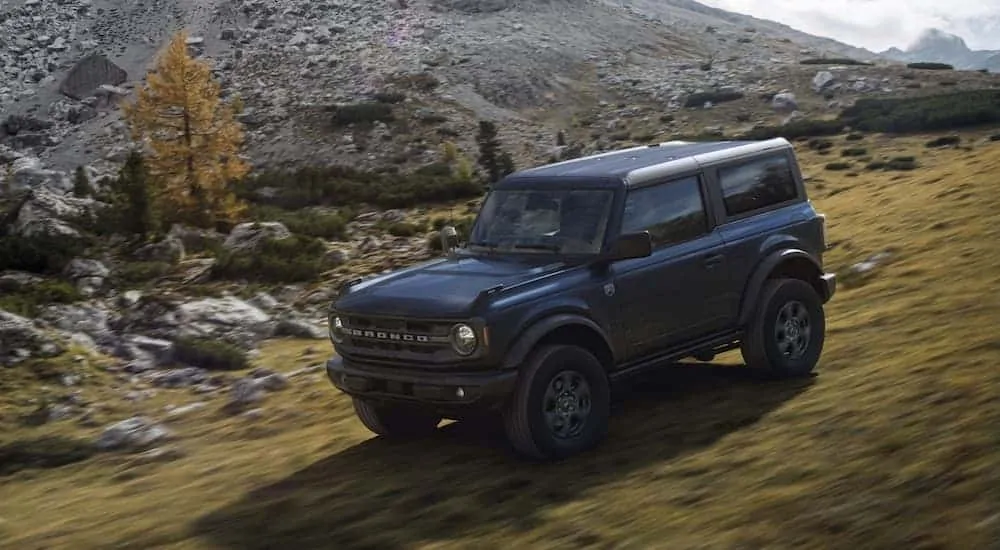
(879, 24)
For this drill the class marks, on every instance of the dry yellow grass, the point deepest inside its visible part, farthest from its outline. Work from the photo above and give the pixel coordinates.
(895, 444)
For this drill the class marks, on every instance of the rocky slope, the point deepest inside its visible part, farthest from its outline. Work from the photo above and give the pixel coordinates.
(456, 61)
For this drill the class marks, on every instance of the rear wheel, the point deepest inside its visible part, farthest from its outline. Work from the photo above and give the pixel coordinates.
(396, 421)
(561, 404)
(786, 334)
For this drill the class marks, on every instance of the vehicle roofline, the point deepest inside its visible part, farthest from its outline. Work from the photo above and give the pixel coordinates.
(532, 170)
(686, 165)
(678, 166)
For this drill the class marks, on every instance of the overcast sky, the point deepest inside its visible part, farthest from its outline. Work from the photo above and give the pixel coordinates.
(879, 24)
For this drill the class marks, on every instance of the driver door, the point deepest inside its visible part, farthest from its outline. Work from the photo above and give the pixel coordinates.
(677, 292)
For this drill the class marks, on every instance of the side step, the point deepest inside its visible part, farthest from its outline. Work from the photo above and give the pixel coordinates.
(711, 345)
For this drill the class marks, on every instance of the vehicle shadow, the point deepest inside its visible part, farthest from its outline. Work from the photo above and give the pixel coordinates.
(382, 494)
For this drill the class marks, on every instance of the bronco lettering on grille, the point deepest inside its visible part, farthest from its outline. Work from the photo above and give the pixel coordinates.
(395, 336)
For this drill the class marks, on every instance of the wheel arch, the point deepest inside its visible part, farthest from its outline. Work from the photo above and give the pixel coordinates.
(565, 328)
(789, 263)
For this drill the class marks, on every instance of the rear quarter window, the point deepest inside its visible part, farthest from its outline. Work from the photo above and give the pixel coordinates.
(756, 185)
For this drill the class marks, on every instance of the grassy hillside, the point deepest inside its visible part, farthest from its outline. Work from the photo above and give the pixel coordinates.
(895, 444)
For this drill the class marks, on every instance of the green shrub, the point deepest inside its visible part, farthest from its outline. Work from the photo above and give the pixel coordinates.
(876, 165)
(832, 61)
(700, 98)
(854, 152)
(930, 66)
(995, 137)
(361, 113)
(346, 186)
(390, 97)
(944, 141)
(838, 166)
(928, 113)
(404, 229)
(819, 144)
(901, 163)
(140, 272)
(39, 253)
(797, 129)
(294, 259)
(325, 225)
(424, 81)
(44, 452)
(854, 136)
(210, 354)
(27, 300)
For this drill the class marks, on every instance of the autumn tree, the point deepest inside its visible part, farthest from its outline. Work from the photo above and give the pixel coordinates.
(192, 139)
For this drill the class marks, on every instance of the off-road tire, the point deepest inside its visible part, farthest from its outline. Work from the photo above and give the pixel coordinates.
(395, 421)
(525, 422)
(760, 346)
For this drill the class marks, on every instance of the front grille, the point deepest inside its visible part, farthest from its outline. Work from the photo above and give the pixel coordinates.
(376, 334)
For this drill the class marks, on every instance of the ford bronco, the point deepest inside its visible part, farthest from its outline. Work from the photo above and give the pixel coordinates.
(578, 273)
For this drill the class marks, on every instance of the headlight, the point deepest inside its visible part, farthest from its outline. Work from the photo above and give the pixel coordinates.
(463, 339)
(336, 330)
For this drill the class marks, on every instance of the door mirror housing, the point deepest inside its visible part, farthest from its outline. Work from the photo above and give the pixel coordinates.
(631, 245)
(449, 238)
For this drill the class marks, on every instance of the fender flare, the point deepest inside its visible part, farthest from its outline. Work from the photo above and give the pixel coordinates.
(764, 270)
(528, 338)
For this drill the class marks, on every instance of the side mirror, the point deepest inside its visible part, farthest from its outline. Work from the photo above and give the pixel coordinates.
(631, 245)
(449, 238)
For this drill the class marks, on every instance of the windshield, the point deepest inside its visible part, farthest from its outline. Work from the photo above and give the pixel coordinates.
(567, 221)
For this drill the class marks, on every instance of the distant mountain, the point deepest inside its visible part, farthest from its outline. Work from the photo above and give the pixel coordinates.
(942, 47)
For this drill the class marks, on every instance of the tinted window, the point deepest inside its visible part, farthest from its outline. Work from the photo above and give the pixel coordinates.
(570, 221)
(757, 184)
(671, 212)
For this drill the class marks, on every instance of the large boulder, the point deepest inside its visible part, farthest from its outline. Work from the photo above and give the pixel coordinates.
(248, 236)
(89, 74)
(27, 173)
(45, 212)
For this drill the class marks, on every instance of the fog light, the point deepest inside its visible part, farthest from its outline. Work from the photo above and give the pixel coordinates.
(460, 393)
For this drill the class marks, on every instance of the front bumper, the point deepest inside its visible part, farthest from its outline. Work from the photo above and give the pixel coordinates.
(829, 281)
(438, 388)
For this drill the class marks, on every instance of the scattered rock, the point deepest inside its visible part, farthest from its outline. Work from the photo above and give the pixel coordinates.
(170, 250)
(299, 328)
(20, 339)
(133, 433)
(89, 275)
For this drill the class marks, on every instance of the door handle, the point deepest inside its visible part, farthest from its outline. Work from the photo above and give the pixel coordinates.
(714, 260)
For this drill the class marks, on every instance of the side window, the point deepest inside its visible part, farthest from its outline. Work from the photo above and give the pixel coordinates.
(672, 212)
(757, 184)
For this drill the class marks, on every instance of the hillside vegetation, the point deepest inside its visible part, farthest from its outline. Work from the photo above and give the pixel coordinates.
(893, 445)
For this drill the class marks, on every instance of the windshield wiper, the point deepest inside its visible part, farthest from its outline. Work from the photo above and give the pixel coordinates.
(484, 244)
(547, 247)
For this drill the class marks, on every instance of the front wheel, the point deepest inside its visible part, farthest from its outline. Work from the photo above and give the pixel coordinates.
(561, 404)
(395, 421)
(786, 334)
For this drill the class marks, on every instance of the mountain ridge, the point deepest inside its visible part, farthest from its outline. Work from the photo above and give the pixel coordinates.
(936, 45)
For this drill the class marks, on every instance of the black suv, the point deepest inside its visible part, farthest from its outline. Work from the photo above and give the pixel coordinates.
(580, 272)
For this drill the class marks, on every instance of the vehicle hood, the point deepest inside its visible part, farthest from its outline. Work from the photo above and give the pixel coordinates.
(443, 288)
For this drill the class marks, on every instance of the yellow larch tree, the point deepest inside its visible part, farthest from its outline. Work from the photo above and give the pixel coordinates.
(193, 139)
